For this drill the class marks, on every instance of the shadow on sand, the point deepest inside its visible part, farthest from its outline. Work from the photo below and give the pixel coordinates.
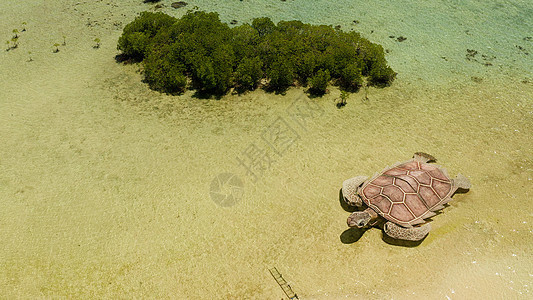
(352, 235)
(387, 239)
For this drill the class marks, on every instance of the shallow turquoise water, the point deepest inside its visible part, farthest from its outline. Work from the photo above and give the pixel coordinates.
(438, 32)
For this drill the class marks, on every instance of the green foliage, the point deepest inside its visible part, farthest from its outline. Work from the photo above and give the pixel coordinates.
(199, 34)
(15, 41)
(200, 49)
(375, 66)
(306, 65)
(281, 75)
(163, 72)
(214, 74)
(244, 41)
(344, 96)
(351, 78)
(97, 45)
(319, 82)
(248, 73)
(134, 44)
(381, 75)
(137, 35)
(203, 44)
(263, 26)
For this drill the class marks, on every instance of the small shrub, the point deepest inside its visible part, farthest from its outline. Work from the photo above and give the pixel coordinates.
(15, 41)
(351, 78)
(248, 73)
(344, 97)
(381, 75)
(97, 45)
(319, 82)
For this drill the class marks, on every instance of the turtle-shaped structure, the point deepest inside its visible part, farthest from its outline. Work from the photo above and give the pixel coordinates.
(401, 197)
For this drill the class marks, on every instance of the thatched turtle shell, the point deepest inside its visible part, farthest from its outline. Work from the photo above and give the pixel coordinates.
(408, 193)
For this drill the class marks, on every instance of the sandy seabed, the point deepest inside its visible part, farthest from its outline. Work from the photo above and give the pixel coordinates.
(105, 186)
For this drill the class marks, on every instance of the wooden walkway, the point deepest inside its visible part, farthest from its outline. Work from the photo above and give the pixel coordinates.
(283, 284)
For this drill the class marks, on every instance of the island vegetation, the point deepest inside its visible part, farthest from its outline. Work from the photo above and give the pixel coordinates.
(199, 51)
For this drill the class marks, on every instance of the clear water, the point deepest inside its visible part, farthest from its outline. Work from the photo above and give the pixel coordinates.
(106, 188)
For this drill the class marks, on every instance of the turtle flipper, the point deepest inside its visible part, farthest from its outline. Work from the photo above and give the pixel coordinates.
(461, 182)
(408, 234)
(424, 157)
(349, 190)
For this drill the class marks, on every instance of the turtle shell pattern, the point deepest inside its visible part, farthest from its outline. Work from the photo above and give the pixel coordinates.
(408, 193)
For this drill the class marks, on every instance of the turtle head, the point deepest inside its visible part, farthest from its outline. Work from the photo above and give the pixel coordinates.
(359, 219)
(350, 190)
(362, 219)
